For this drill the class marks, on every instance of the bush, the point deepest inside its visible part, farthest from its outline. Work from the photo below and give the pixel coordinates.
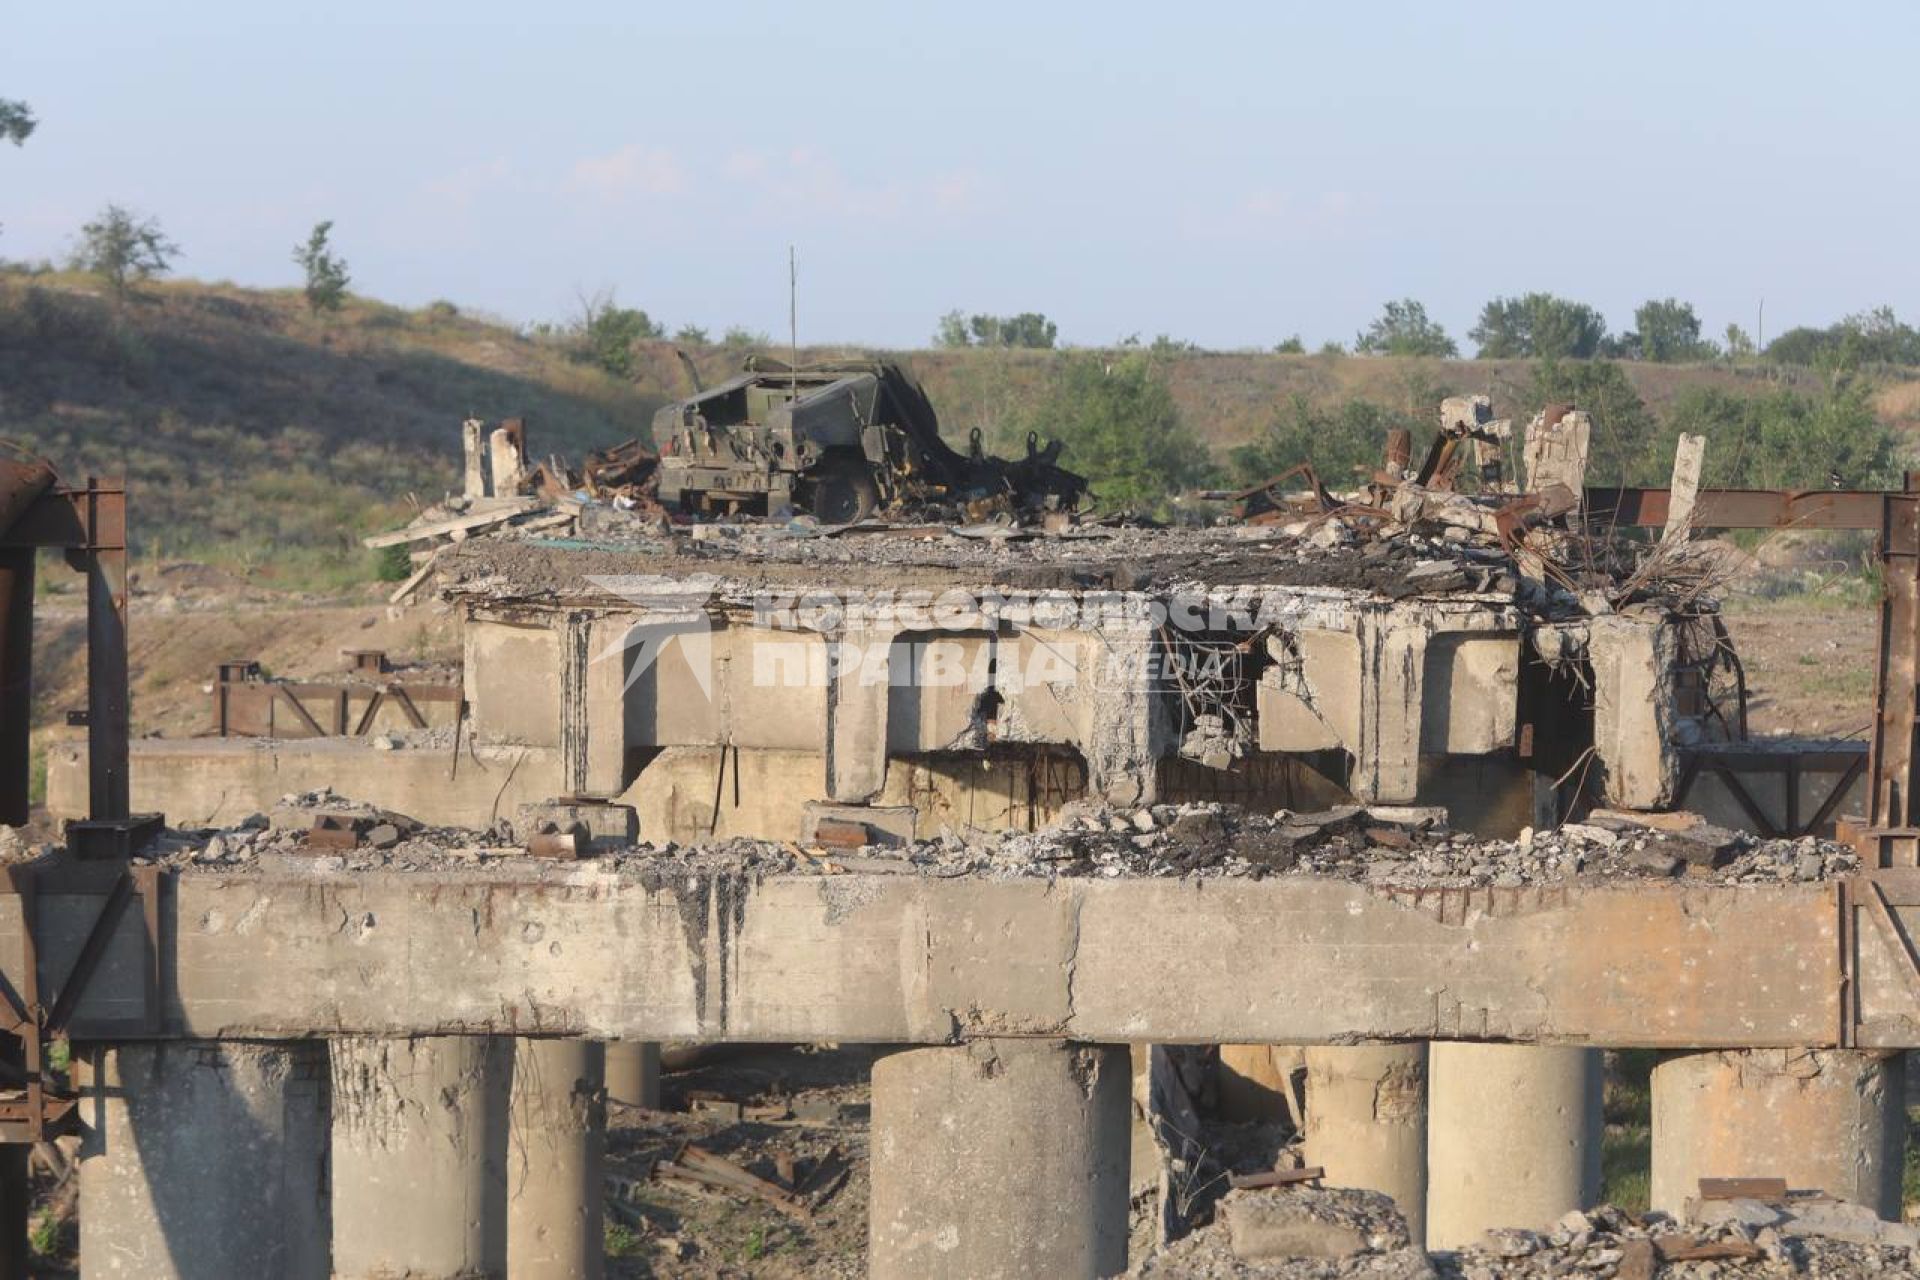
(1784, 440)
(393, 564)
(1121, 430)
(605, 334)
(1339, 441)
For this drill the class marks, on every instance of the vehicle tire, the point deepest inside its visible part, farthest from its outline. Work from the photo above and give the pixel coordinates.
(843, 491)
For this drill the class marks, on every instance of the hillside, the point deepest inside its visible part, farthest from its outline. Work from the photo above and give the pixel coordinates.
(262, 438)
(253, 432)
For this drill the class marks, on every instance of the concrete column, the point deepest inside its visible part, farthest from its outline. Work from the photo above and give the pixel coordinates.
(1513, 1137)
(633, 1073)
(474, 473)
(1118, 728)
(1393, 662)
(556, 1160)
(205, 1159)
(420, 1157)
(857, 697)
(1000, 1158)
(1633, 708)
(1367, 1122)
(1828, 1120)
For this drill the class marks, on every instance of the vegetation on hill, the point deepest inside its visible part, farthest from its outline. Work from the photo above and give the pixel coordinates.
(255, 432)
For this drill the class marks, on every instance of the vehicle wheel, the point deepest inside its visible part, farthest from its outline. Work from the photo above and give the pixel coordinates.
(843, 492)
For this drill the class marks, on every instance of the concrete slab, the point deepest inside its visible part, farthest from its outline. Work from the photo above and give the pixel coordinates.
(648, 951)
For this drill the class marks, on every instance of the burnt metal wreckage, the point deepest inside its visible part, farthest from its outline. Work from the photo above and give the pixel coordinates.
(839, 440)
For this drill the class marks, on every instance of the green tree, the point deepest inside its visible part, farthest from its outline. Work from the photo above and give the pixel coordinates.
(1028, 329)
(1624, 447)
(1538, 325)
(1291, 347)
(604, 334)
(16, 121)
(691, 335)
(123, 249)
(1669, 332)
(1782, 439)
(1340, 441)
(1332, 347)
(1739, 343)
(1122, 430)
(740, 338)
(953, 331)
(1403, 329)
(326, 271)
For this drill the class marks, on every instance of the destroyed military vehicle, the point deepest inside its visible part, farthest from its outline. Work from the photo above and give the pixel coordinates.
(839, 440)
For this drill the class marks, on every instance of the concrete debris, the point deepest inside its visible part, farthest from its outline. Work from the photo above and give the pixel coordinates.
(1393, 846)
(1306, 1232)
(1307, 1222)
(1807, 1236)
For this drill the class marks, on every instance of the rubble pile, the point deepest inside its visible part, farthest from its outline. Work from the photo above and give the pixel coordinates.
(1315, 1234)
(1393, 846)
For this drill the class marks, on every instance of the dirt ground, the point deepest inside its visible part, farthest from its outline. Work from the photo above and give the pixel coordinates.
(813, 1100)
(1808, 660)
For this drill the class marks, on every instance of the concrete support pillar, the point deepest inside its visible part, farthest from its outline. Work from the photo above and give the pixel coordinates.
(1000, 1158)
(1117, 735)
(205, 1159)
(1634, 711)
(857, 696)
(1393, 663)
(1367, 1122)
(633, 1073)
(556, 1160)
(1513, 1137)
(474, 473)
(420, 1157)
(1824, 1119)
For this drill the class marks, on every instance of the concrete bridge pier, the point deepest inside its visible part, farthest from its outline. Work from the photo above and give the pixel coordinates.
(420, 1157)
(204, 1158)
(1832, 1120)
(1367, 1121)
(1513, 1137)
(1000, 1158)
(556, 1160)
(633, 1073)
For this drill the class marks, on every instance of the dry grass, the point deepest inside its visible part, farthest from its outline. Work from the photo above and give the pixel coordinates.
(258, 435)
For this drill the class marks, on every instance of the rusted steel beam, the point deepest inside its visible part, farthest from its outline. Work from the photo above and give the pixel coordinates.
(16, 682)
(1744, 508)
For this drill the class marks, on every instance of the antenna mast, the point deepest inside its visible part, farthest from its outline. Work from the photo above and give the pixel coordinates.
(793, 322)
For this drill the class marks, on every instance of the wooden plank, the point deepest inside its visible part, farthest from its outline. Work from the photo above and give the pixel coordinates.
(448, 528)
(1743, 1188)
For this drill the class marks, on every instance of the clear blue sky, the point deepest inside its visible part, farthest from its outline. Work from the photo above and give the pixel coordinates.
(1227, 174)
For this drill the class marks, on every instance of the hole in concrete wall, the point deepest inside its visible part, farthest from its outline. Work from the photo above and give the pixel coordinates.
(1709, 682)
(941, 694)
(1556, 726)
(1261, 780)
(1006, 787)
(1206, 681)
